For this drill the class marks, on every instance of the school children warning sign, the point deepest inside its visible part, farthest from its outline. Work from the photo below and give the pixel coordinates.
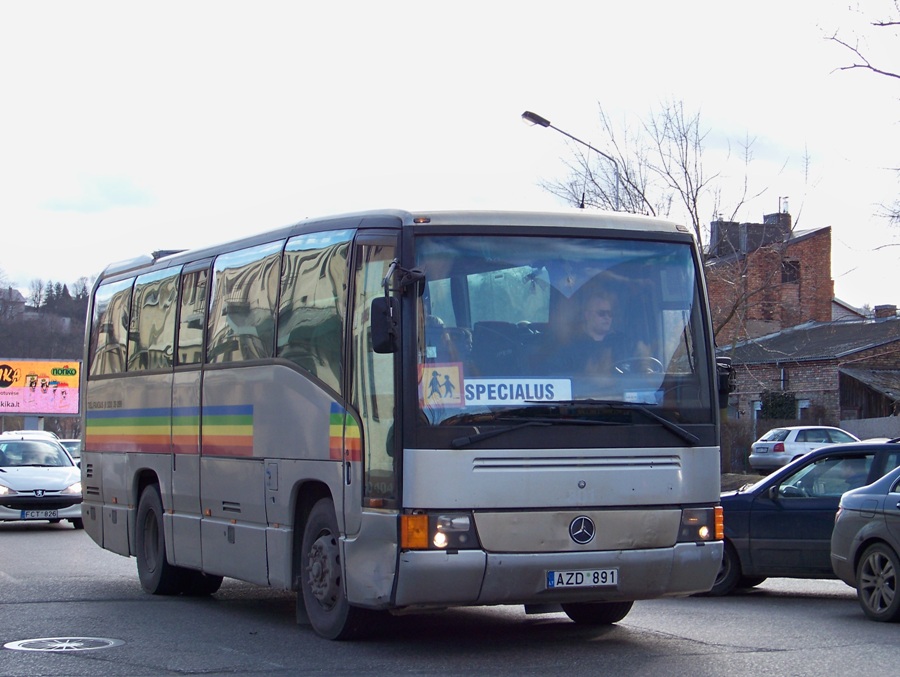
(441, 384)
(39, 387)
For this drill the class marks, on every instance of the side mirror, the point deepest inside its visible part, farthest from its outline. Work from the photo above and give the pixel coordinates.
(383, 320)
(725, 379)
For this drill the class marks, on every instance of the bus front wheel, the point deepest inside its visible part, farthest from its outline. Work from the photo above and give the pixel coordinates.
(157, 576)
(597, 613)
(322, 586)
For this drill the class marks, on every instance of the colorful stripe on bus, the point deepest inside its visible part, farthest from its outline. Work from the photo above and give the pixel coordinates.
(227, 430)
(343, 433)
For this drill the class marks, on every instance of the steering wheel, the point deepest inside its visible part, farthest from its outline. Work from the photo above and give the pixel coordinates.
(639, 365)
(793, 491)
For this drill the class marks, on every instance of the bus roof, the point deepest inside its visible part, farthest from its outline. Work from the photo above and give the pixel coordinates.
(395, 218)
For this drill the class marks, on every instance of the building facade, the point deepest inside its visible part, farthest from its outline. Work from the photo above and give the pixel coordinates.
(764, 277)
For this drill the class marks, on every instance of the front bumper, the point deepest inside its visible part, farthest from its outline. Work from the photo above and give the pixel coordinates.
(474, 577)
(16, 508)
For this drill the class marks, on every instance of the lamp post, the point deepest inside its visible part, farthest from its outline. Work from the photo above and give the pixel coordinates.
(536, 119)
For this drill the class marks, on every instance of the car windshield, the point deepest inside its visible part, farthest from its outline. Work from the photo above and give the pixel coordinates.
(777, 435)
(32, 453)
(527, 326)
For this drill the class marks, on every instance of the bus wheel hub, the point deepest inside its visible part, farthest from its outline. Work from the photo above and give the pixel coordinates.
(323, 571)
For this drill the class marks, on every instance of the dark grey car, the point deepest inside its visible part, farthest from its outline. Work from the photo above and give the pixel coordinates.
(865, 544)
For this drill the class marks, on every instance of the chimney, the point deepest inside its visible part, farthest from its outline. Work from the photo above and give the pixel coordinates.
(885, 311)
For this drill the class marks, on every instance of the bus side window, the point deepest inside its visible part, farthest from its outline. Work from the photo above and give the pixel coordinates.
(151, 334)
(192, 317)
(109, 328)
(373, 378)
(242, 309)
(314, 282)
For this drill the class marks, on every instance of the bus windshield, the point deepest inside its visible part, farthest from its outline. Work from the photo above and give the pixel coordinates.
(534, 326)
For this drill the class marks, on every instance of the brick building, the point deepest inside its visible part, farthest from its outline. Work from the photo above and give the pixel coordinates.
(763, 277)
(832, 371)
(774, 312)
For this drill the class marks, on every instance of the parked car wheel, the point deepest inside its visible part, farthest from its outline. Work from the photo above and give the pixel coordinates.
(876, 577)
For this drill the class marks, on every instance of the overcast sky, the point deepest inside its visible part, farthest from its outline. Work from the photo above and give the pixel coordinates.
(127, 127)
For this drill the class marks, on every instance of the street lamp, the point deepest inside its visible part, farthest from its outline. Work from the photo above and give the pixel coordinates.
(535, 119)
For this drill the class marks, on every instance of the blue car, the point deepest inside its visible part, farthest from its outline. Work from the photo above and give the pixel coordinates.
(781, 526)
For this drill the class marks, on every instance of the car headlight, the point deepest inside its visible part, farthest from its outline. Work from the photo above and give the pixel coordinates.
(6, 491)
(72, 489)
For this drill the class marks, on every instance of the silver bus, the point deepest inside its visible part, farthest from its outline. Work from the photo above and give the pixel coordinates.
(391, 412)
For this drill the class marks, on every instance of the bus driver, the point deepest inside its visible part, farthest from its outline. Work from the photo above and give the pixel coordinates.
(597, 348)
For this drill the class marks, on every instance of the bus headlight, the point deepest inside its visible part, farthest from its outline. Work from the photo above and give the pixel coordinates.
(699, 525)
(452, 531)
(437, 531)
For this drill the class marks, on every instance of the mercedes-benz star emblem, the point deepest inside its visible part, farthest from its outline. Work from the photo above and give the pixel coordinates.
(582, 530)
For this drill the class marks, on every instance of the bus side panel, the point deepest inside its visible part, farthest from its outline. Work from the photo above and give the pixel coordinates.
(127, 424)
(184, 522)
(91, 504)
(285, 481)
(118, 512)
(107, 524)
(370, 560)
(232, 531)
(253, 416)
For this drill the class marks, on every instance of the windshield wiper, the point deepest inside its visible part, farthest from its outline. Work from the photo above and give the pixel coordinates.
(486, 416)
(685, 435)
(459, 442)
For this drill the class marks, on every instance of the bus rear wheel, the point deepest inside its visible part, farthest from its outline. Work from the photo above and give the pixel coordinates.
(157, 576)
(322, 587)
(597, 613)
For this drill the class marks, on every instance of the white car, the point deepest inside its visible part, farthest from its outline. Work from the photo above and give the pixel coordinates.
(38, 481)
(780, 446)
(43, 434)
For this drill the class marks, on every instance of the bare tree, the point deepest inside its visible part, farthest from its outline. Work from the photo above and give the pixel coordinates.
(659, 170)
(860, 61)
(36, 293)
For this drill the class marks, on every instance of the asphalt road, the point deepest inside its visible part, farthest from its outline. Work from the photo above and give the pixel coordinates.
(56, 583)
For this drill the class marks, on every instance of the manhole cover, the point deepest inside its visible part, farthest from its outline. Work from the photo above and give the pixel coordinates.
(63, 644)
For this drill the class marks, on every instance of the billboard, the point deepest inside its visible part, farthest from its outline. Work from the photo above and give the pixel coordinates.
(39, 387)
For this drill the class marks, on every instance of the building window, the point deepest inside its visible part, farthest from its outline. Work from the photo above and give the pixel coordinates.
(790, 271)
